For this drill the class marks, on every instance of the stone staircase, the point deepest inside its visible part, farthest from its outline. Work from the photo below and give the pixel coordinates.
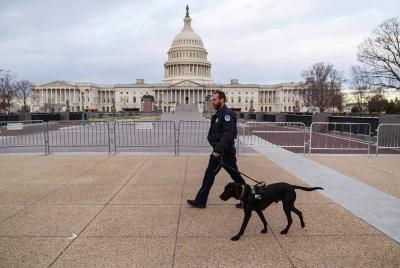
(186, 108)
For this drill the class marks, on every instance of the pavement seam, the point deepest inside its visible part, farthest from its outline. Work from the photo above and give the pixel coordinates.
(179, 214)
(95, 216)
(280, 246)
(54, 190)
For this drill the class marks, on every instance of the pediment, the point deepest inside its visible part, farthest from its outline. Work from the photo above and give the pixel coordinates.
(187, 83)
(57, 84)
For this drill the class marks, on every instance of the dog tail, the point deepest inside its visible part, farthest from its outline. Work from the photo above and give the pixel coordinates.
(307, 188)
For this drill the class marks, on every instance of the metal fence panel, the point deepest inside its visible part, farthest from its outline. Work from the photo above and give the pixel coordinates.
(331, 136)
(79, 134)
(23, 134)
(144, 134)
(193, 134)
(274, 134)
(388, 137)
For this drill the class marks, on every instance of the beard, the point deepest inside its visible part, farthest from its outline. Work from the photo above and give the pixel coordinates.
(217, 106)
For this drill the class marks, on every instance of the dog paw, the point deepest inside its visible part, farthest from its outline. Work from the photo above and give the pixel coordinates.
(264, 231)
(235, 238)
(284, 232)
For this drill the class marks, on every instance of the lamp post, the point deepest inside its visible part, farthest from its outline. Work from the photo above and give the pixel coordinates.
(67, 109)
(83, 107)
(113, 105)
(251, 109)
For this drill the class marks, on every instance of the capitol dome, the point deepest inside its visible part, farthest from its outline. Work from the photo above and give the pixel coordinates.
(187, 57)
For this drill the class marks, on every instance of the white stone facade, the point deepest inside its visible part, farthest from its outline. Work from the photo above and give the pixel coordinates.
(187, 80)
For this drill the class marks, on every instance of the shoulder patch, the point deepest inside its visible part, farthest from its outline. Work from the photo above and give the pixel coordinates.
(227, 118)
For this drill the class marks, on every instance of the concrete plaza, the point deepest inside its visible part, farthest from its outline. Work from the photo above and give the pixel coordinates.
(93, 210)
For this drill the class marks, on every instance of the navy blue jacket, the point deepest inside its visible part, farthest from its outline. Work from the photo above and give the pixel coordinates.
(223, 130)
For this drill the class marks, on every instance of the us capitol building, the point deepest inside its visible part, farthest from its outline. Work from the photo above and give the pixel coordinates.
(187, 82)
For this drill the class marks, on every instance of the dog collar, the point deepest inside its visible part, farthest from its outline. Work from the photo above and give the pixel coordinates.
(243, 188)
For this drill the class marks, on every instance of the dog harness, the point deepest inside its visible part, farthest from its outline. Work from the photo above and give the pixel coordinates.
(257, 194)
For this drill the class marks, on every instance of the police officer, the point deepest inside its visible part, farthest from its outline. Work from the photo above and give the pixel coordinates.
(221, 137)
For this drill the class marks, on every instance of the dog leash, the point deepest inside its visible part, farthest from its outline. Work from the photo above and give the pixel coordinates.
(221, 161)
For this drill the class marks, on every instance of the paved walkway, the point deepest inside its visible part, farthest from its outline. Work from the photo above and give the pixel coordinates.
(377, 208)
(131, 211)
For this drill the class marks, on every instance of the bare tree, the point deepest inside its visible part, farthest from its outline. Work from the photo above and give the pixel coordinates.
(7, 88)
(322, 86)
(23, 92)
(361, 83)
(380, 54)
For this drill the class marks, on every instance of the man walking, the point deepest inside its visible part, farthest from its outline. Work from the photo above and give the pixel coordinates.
(221, 137)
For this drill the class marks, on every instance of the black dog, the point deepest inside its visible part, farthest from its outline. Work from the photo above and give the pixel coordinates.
(260, 197)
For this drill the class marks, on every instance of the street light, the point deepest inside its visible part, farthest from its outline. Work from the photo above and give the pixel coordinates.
(82, 100)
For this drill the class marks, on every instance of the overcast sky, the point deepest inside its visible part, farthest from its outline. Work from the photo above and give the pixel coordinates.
(107, 42)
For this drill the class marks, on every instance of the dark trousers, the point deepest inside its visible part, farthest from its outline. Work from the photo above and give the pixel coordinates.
(209, 176)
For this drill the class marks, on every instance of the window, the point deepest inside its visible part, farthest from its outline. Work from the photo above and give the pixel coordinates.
(239, 99)
(270, 108)
(134, 99)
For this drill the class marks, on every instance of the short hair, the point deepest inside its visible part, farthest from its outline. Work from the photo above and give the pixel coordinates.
(221, 94)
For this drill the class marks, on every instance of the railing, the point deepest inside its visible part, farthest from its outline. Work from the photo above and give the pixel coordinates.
(192, 134)
(158, 134)
(115, 136)
(388, 137)
(63, 134)
(15, 134)
(350, 137)
(274, 134)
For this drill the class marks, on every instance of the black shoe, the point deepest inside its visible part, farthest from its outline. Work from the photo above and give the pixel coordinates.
(240, 205)
(194, 204)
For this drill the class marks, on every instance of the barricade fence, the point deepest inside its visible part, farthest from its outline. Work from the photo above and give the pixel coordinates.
(118, 136)
(156, 134)
(340, 137)
(19, 134)
(273, 134)
(192, 134)
(388, 138)
(75, 134)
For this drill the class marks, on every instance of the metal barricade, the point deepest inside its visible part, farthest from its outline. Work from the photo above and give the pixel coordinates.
(339, 137)
(192, 134)
(78, 134)
(161, 134)
(274, 134)
(23, 134)
(388, 137)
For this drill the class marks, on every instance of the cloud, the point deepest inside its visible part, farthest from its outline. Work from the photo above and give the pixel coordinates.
(118, 41)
